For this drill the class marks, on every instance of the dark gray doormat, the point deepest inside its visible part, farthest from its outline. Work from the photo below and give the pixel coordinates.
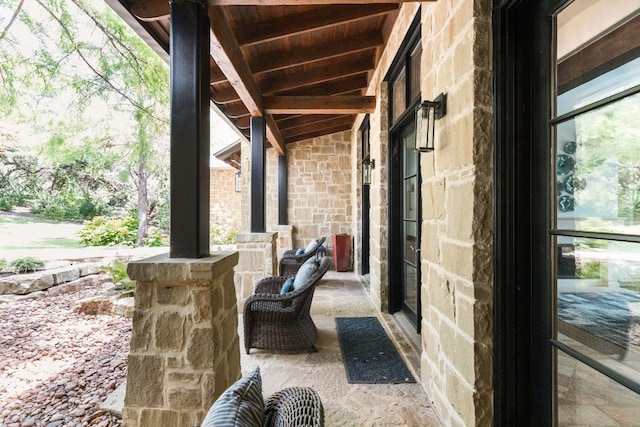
(369, 355)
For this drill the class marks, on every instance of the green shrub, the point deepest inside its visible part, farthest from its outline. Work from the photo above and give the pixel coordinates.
(102, 231)
(119, 276)
(3, 264)
(27, 264)
(223, 228)
(6, 204)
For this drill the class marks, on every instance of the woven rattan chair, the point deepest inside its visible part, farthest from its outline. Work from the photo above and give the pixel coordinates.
(282, 322)
(290, 262)
(294, 406)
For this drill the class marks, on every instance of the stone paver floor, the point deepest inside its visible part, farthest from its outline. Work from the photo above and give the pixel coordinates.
(343, 295)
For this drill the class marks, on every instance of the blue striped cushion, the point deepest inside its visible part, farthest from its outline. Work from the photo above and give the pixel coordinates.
(241, 405)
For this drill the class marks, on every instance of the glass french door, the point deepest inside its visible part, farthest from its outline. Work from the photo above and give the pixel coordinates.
(407, 222)
(595, 227)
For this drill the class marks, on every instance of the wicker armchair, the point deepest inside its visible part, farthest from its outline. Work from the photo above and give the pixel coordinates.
(282, 322)
(290, 262)
(294, 406)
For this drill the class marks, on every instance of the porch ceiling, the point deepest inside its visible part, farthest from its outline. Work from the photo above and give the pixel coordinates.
(302, 64)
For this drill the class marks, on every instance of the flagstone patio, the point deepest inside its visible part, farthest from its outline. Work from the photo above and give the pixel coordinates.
(343, 295)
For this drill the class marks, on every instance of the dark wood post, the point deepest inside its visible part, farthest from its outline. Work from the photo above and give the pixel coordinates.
(258, 158)
(282, 190)
(190, 150)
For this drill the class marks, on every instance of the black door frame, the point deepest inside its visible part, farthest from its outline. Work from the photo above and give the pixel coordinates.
(523, 356)
(366, 201)
(397, 244)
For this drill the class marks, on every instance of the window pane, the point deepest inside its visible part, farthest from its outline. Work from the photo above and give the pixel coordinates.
(399, 95)
(598, 301)
(415, 71)
(588, 398)
(598, 169)
(597, 46)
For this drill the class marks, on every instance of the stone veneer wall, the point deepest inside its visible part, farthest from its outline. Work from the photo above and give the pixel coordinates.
(457, 207)
(222, 191)
(185, 347)
(319, 183)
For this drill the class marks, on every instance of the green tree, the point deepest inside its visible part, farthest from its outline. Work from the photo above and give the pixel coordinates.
(76, 71)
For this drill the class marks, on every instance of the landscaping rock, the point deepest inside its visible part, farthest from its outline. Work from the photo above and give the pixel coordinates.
(58, 366)
(21, 284)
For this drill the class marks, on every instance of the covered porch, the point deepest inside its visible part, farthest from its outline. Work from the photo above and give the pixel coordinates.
(345, 295)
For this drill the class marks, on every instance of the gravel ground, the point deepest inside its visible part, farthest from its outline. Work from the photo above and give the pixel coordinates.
(56, 366)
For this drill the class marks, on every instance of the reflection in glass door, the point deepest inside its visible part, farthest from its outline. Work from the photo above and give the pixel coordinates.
(410, 215)
(596, 227)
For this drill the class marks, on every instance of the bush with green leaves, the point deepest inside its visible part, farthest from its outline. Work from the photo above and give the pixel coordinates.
(26, 264)
(3, 264)
(223, 228)
(119, 276)
(103, 231)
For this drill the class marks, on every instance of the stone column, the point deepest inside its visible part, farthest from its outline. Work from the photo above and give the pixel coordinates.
(258, 259)
(184, 346)
(285, 238)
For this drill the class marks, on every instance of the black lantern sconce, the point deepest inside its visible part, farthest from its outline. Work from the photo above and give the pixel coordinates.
(238, 184)
(426, 115)
(367, 166)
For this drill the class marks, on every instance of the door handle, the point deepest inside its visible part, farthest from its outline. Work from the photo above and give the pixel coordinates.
(414, 249)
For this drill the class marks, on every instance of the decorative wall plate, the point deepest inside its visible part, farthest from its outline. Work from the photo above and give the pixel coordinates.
(570, 147)
(568, 184)
(564, 164)
(566, 203)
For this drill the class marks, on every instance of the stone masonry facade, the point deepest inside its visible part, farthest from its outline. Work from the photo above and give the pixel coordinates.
(319, 184)
(184, 347)
(456, 191)
(457, 215)
(225, 201)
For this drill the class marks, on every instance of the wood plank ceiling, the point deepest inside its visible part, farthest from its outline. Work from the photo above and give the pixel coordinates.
(302, 64)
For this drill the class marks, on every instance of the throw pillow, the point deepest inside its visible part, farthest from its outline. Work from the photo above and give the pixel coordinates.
(300, 251)
(287, 286)
(241, 405)
(310, 245)
(305, 271)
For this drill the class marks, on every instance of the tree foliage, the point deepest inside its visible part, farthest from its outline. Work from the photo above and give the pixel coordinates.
(96, 97)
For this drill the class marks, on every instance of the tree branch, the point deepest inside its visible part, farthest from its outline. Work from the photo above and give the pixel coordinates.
(13, 18)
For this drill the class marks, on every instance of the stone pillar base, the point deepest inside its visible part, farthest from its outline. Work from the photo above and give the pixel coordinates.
(258, 259)
(285, 238)
(184, 346)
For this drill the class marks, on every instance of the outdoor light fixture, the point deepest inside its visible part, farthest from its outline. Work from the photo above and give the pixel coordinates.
(238, 186)
(426, 115)
(367, 166)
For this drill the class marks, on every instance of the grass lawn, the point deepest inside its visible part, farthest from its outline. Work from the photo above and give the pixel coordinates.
(30, 232)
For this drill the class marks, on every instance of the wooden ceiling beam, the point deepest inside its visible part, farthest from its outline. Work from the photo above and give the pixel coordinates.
(299, 2)
(225, 96)
(319, 132)
(303, 120)
(317, 75)
(313, 127)
(319, 104)
(339, 87)
(310, 20)
(274, 136)
(275, 60)
(225, 50)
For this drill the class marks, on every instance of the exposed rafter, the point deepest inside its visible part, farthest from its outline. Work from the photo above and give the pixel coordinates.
(311, 20)
(319, 104)
(276, 60)
(226, 51)
(305, 65)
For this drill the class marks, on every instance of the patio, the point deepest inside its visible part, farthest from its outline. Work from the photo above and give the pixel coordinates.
(344, 295)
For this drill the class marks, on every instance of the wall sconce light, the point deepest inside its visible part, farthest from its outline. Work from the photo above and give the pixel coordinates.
(367, 166)
(426, 115)
(238, 185)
